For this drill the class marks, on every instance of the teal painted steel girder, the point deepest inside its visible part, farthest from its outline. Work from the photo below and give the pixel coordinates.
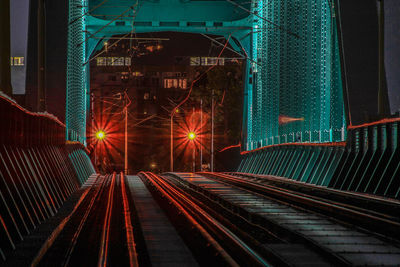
(293, 68)
(96, 20)
(76, 72)
(298, 75)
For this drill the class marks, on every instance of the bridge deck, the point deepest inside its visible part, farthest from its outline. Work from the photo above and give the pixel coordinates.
(186, 219)
(164, 246)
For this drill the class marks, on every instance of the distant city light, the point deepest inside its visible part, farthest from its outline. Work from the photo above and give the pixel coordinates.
(153, 165)
(100, 135)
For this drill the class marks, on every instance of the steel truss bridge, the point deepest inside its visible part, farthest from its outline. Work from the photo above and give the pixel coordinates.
(297, 100)
(314, 185)
(291, 51)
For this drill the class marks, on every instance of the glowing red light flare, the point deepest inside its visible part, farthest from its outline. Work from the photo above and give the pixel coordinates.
(282, 119)
(100, 135)
(191, 135)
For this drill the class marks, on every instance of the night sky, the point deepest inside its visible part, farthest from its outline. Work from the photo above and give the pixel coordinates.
(392, 52)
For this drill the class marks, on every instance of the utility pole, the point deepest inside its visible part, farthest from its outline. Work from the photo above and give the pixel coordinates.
(381, 58)
(92, 129)
(171, 155)
(126, 134)
(194, 146)
(5, 68)
(41, 104)
(212, 131)
(201, 126)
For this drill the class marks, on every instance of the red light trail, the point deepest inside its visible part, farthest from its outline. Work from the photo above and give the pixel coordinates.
(282, 119)
(229, 147)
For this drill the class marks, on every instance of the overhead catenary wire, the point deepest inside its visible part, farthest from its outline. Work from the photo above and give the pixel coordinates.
(121, 38)
(111, 21)
(219, 43)
(102, 52)
(94, 8)
(198, 78)
(245, 56)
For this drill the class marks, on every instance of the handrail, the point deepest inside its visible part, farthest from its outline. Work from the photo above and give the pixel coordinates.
(333, 144)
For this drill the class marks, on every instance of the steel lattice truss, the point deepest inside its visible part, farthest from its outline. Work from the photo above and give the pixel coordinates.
(77, 78)
(297, 75)
(291, 46)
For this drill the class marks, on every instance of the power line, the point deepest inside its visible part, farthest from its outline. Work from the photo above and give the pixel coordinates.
(99, 5)
(111, 21)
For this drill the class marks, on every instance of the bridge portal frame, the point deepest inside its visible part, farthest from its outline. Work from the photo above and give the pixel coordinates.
(87, 32)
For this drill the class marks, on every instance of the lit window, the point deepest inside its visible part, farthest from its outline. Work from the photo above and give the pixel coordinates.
(221, 61)
(211, 61)
(195, 61)
(175, 83)
(137, 73)
(109, 61)
(168, 83)
(101, 61)
(17, 61)
(127, 61)
(184, 84)
(117, 61)
(113, 61)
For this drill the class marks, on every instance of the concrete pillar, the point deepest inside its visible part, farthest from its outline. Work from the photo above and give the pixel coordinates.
(5, 69)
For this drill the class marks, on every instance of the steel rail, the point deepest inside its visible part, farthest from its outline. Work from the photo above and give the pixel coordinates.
(131, 246)
(385, 207)
(255, 235)
(344, 194)
(218, 248)
(219, 229)
(283, 231)
(103, 252)
(349, 212)
(53, 236)
(83, 222)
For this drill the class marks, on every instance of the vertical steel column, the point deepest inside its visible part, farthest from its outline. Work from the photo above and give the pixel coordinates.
(295, 77)
(200, 135)
(383, 109)
(126, 136)
(41, 72)
(76, 72)
(212, 131)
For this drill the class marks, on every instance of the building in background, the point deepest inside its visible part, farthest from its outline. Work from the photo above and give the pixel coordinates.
(156, 76)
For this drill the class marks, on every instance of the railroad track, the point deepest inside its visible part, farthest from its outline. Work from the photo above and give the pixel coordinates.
(371, 204)
(83, 238)
(373, 213)
(283, 232)
(220, 220)
(225, 248)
